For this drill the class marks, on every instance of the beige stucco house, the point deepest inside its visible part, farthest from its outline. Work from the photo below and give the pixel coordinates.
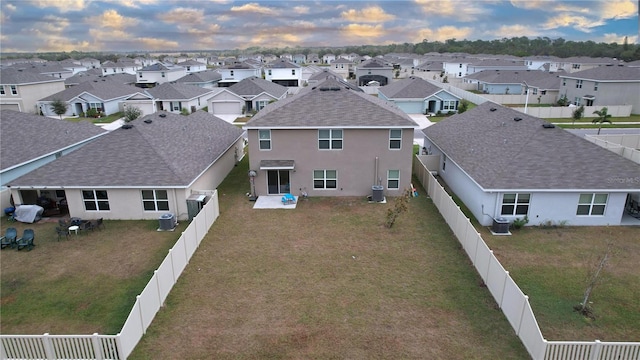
(330, 140)
(143, 171)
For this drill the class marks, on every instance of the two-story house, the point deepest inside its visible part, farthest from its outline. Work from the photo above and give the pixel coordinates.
(156, 74)
(110, 67)
(329, 140)
(207, 79)
(237, 72)
(284, 73)
(192, 66)
(602, 86)
(20, 90)
(343, 67)
(374, 70)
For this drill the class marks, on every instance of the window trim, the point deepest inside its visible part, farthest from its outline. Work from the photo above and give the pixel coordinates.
(516, 203)
(95, 200)
(14, 89)
(155, 200)
(266, 140)
(578, 84)
(394, 139)
(325, 179)
(2, 92)
(331, 140)
(592, 204)
(390, 179)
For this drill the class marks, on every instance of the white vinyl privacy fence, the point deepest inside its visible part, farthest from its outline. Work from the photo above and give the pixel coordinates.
(625, 145)
(147, 305)
(513, 302)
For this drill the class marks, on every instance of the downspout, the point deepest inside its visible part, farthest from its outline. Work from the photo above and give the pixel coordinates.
(375, 174)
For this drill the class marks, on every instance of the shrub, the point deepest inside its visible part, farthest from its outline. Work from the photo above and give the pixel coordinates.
(92, 113)
(520, 222)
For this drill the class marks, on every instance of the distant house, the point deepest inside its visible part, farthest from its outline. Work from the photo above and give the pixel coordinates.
(192, 66)
(237, 72)
(152, 75)
(328, 58)
(329, 140)
(299, 59)
(505, 164)
(109, 67)
(207, 79)
(602, 86)
(418, 96)
(258, 92)
(513, 81)
(143, 171)
(284, 73)
(580, 63)
(20, 90)
(175, 98)
(104, 96)
(374, 70)
(343, 67)
(496, 64)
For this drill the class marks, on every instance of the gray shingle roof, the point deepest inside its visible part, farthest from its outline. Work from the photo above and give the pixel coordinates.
(607, 73)
(253, 86)
(13, 76)
(374, 64)
(201, 77)
(531, 77)
(501, 153)
(103, 88)
(409, 88)
(171, 91)
(154, 67)
(330, 104)
(282, 64)
(24, 137)
(168, 152)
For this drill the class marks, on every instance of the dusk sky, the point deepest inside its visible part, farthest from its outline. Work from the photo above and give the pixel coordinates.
(151, 25)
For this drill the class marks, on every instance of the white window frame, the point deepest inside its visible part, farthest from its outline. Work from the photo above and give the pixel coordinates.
(324, 177)
(595, 86)
(173, 106)
(333, 139)
(2, 90)
(393, 179)
(260, 104)
(578, 84)
(264, 140)
(395, 139)
(592, 204)
(156, 200)
(14, 89)
(519, 200)
(449, 105)
(95, 200)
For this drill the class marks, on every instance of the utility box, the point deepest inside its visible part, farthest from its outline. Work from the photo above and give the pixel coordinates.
(195, 203)
(377, 193)
(167, 222)
(500, 226)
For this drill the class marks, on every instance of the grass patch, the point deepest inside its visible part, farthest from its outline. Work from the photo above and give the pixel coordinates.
(587, 120)
(328, 280)
(84, 285)
(551, 265)
(595, 126)
(103, 120)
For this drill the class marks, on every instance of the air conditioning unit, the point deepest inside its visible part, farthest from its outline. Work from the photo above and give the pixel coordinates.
(167, 222)
(500, 226)
(377, 193)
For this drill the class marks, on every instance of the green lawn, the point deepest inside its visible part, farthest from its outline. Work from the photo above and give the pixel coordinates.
(328, 280)
(587, 120)
(102, 120)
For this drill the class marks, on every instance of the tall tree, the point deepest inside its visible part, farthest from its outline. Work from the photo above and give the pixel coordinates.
(59, 107)
(603, 117)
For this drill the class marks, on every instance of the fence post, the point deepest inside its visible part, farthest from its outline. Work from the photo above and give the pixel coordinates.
(489, 266)
(595, 350)
(144, 329)
(504, 286)
(172, 270)
(121, 354)
(155, 273)
(97, 347)
(524, 306)
(48, 347)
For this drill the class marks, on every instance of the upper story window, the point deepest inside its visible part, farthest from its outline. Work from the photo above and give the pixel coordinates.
(14, 90)
(460, 66)
(395, 139)
(95, 200)
(269, 72)
(293, 71)
(578, 84)
(575, 66)
(140, 75)
(564, 82)
(515, 204)
(265, 139)
(231, 72)
(188, 68)
(592, 204)
(155, 200)
(1, 89)
(330, 139)
(595, 86)
(163, 74)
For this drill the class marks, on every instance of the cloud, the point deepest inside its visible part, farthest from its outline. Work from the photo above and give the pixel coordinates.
(111, 19)
(10, 7)
(301, 9)
(461, 11)
(577, 22)
(254, 8)
(183, 15)
(372, 14)
(363, 31)
(61, 5)
(443, 33)
(509, 31)
(157, 44)
(619, 9)
(132, 3)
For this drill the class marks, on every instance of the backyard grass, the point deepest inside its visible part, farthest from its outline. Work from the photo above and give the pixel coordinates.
(84, 285)
(102, 120)
(552, 264)
(587, 120)
(328, 280)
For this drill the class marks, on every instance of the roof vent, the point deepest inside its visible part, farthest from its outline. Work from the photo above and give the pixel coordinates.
(493, 109)
(517, 118)
(548, 126)
(148, 121)
(163, 115)
(127, 126)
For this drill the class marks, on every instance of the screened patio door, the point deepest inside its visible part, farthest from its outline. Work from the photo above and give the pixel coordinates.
(278, 182)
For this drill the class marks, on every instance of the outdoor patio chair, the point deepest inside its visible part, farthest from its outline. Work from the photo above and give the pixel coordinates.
(288, 199)
(26, 241)
(86, 225)
(62, 231)
(9, 238)
(64, 223)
